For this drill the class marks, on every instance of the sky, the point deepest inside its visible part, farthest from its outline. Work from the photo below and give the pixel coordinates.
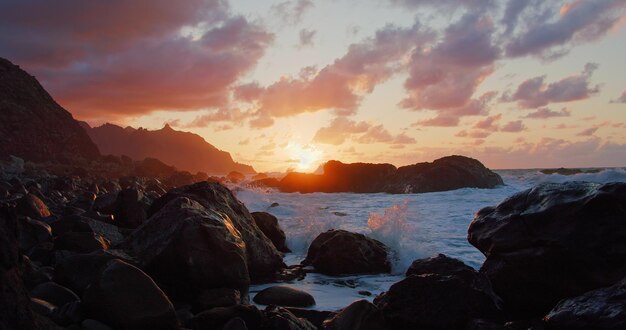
(290, 84)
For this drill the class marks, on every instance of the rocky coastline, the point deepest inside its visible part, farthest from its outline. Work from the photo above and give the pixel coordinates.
(134, 253)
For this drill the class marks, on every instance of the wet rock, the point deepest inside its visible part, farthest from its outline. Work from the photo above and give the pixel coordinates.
(235, 177)
(281, 295)
(316, 317)
(440, 264)
(263, 260)
(436, 301)
(81, 242)
(216, 318)
(77, 223)
(15, 311)
(42, 307)
(339, 252)
(85, 201)
(90, 324)
(551, 242)
(603, 308)
(360, 315)
(189, 248)
(130, 210)
(77, 272)
(125, 297)
(282, 319)
(33, 233)
(270, 227)
(70, 313)
(236, 323)
(53, 293)
(221, 297)
(34, 275)
(31, 206)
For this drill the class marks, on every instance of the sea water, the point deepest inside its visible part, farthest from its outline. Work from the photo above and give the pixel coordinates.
(412, 225)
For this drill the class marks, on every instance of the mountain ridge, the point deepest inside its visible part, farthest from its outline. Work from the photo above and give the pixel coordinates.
(184, 150)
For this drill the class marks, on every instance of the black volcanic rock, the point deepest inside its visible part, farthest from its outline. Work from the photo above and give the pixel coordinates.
(15, 312)
(33, 126)
(340, 252)
(263, 259)
(552, 242)
(435, 301)
(184, 150)
(603, 308)
(448, 173)
(270, 227)
(189, 248)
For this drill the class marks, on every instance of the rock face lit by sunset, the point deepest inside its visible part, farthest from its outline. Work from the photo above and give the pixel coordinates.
(290, 84)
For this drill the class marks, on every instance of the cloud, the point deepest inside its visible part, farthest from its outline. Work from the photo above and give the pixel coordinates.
(244, 142)
(552, 35)
(342, 128)
(339, 130)
(291, 12)
(588, 132)
(306, 38)
(513, 127)
(340, 86)
(129, 57)
(444, 77)
(213, 116)
(534, 92)
(621, 98)
(443, 3)
(545, 113)
(489, 123)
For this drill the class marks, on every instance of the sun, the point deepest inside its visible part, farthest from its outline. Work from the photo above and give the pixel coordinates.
(308, 156)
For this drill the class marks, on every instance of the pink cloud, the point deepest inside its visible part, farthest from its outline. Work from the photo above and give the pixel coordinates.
(108, 62)
(342, 128)
(513, 127)
(489, 123)
(341, 85)
(445, 77)
(306, 38)
(339, 130)
(534, 92)
(588, 132)
(545, 113)
(550, 32)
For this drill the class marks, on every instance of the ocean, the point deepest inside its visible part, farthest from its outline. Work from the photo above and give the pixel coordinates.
(412, 225)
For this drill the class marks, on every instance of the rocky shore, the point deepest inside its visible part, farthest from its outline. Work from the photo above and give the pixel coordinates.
(136, 253)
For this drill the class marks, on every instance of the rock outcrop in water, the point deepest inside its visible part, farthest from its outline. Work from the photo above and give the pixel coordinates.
(551, 242)
(33, 126)
(448, 173)
(339, 252)
(185, 150)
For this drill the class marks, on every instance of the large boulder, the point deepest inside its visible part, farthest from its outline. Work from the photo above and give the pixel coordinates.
(551, 242)
(279, 318)
(53, 293)
(360, 315)
(263, 260)
(436, 301)
(281, 295)
(189, 248)
(270, 227)
(603, 308)
(216, 318)
(126, 298)
(340, 252)
(130, 209)
(15, 312)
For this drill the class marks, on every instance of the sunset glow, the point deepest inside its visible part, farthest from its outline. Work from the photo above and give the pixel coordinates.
(290, 84)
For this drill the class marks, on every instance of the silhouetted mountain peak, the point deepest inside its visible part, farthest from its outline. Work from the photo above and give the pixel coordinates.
(185, 150)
